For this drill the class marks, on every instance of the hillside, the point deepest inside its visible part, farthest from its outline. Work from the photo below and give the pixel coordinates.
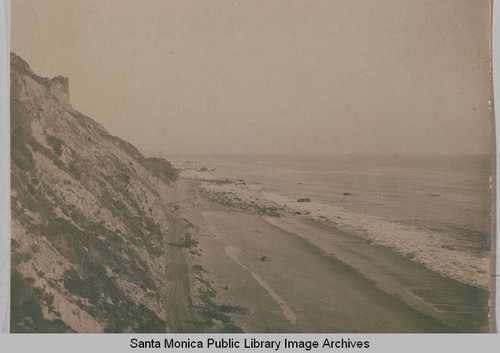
(93, 231)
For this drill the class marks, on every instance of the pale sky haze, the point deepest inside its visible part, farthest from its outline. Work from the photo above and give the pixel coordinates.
(270, 76)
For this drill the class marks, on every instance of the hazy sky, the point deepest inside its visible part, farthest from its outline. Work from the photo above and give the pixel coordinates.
(288, 76)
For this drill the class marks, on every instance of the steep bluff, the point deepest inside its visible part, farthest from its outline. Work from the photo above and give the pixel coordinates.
(92, 227)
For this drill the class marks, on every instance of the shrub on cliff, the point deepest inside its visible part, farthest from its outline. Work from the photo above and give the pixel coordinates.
(162, 169)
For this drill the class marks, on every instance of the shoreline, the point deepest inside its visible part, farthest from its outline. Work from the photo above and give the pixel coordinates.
(416, 245)
(380, 278)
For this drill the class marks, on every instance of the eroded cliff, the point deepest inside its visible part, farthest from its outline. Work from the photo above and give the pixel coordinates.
(92, 227)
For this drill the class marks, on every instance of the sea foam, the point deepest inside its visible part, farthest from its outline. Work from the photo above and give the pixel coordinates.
(439, 252)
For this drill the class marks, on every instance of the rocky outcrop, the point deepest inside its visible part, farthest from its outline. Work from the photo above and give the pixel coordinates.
(59, 88)
(91, 219)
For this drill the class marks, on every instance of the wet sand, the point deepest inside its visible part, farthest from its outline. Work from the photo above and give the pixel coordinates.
(353, 286)
(458, 305)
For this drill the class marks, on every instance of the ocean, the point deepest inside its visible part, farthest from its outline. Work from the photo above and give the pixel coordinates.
(431, 209)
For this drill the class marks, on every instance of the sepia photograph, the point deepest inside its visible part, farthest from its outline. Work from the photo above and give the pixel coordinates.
(250, 166)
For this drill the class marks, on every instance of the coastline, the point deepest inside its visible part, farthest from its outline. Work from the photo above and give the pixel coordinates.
(281, 276)
(428, 248)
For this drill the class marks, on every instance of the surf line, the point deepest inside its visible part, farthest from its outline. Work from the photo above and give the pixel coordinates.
(233, 252)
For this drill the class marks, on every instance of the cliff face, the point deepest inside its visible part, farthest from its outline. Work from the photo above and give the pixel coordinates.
(91, 220)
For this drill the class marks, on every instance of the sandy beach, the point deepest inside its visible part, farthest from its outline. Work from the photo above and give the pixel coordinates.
(276, 271)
